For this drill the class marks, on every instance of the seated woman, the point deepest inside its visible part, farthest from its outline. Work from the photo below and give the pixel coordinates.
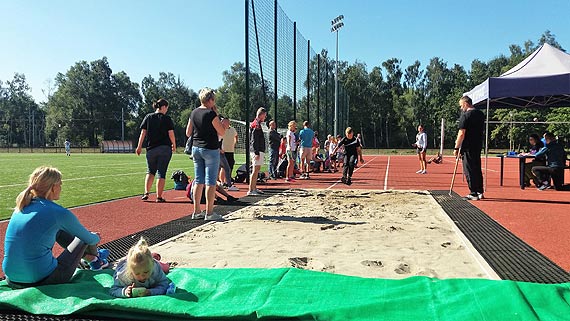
(535, 145)
(36, 224)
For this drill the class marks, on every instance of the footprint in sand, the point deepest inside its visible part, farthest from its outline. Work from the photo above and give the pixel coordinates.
(446, 244)
(403, 268)
(371, 263)
(307, 263)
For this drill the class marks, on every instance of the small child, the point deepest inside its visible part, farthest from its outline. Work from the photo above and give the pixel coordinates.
(351, 147)
(139, 274)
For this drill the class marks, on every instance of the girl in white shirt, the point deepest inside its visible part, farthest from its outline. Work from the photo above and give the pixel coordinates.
(291, 151)
(421, 148)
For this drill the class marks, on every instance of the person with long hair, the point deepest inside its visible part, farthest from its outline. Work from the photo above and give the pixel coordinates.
(159, 129)
(36, 225)
(535, 145)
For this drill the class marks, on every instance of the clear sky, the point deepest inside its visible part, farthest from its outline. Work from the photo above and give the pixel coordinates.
(198, 40)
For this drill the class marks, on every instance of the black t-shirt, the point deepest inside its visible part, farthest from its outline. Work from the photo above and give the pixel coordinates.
(204, 134)
(350, 145)
(157, 126)
(473, 121)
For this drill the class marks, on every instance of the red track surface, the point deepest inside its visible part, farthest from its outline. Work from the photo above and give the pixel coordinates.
(538, 218)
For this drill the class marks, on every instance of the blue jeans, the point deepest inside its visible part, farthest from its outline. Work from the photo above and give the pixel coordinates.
(273, 158)
(206, 165)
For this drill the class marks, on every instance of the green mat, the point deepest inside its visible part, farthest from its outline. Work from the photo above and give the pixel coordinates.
(268, 294)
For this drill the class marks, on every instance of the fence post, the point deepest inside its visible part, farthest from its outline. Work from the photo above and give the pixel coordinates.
(308, 80)
(246, 140)
(295, 70)
(275, 60)
(318, 93)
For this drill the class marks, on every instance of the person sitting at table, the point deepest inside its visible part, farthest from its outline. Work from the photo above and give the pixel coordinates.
(535, 145)
(556, 159)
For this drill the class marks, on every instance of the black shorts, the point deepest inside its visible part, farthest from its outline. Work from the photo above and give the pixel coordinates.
(421, 150)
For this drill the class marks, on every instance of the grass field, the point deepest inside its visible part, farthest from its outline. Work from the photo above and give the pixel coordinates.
(87, 178)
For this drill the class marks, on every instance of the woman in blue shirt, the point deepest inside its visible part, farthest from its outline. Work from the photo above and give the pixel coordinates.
(35, 226)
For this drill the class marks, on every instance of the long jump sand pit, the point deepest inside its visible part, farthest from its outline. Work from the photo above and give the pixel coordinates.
(379, 234)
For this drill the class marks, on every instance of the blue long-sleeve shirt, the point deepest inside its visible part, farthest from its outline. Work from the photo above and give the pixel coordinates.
(31, 235)
(555, 154)
(157, 282)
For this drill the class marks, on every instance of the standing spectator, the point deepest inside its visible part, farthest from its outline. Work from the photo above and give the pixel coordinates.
(225, 169)
(556, 159)
(67, 147)
(274, 143)
(306, 136)
(470, 141)
(159, 129)
(205, 126)
(229, 142)
(291, 150)
(359, 139)
(421, 149)
(36, 224)
(351, 147)
(257, 149)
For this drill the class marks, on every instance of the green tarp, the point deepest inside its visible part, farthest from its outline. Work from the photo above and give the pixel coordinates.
(250, 294)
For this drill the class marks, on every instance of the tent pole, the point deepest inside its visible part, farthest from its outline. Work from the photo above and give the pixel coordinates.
(486, 146)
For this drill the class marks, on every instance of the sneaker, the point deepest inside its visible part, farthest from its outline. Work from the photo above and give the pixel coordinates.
(233, 188)
(103, 253)
(259, 191)
(160, 200)
(253, 193)
(544, 187)
(343, 180)
(198, 216)
(288, 180)
(480, 196)
(214, 217)
(145, 196)
(419, 172)
(423, 172)
(471, 197)
(349, 181)
(99, 264)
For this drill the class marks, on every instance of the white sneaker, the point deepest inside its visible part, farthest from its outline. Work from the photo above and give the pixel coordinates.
(423, 172)
(253, 193)
(198, 216)
(214, 217)
(233, 188)
(259, 191)
(419, 172)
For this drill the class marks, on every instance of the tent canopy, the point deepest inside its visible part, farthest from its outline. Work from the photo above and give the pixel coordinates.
(540, 80)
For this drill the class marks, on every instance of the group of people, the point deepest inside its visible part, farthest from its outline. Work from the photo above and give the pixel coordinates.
(548, 163)
(38, 223)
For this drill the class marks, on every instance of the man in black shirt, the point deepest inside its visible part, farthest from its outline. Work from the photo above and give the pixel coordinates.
(351, 148)
(274, 143)
(469, 142)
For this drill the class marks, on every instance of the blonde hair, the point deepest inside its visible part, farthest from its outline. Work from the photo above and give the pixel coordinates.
(291, 124)
(39, 185)
(348, 130)
(139, 255)
(260, 111)
(206, 94)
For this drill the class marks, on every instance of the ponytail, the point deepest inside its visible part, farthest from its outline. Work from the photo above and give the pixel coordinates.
(139, 255)
(40, 183)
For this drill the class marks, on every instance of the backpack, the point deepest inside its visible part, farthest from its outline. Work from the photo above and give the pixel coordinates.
(180, 179)
(241, 174)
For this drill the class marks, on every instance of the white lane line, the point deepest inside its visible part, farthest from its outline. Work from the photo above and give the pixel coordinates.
(386, 176)
(356, 170)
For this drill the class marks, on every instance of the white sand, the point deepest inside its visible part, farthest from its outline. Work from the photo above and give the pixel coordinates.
(388, 234)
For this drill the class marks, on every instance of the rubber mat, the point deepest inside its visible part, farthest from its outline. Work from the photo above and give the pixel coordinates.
(508, 255)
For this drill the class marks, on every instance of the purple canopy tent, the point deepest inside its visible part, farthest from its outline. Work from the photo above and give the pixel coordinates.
(541, 80)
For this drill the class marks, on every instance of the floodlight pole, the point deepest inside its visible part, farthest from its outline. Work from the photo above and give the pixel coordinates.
(336, 25)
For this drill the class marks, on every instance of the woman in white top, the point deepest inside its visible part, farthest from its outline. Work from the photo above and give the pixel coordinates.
(332, 156)
(421, 147)
(291, 150)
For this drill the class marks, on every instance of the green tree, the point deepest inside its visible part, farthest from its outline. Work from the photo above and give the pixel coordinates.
(20, 116)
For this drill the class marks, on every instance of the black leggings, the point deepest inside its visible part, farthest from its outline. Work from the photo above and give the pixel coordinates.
(349, 162)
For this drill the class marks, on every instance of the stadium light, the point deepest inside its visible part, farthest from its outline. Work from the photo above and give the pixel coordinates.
(337, 23)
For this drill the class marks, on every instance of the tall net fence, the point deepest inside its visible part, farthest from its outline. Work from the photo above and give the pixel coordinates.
(287, 76)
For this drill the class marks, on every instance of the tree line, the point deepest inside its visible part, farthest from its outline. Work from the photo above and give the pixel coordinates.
(90, 103)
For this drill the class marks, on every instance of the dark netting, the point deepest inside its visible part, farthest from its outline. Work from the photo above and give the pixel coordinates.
(302, 60)
(285, 52)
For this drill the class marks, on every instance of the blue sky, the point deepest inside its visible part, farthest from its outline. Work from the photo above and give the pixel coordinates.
(198, 40)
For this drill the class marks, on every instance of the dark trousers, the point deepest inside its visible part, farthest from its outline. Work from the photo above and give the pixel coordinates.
(472, 170)
(348, 168)
(544, 173)
(231, 160)
(273, 159)
(528, 175)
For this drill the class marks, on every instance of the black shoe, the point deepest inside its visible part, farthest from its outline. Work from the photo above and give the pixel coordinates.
(160, 200)
(349, 181)
(343, 180)
(145, 196)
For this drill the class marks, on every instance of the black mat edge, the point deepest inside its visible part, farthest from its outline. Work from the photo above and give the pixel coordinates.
(509, 256)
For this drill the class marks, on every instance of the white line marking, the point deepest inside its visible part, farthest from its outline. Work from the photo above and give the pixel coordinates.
(356, 170)
(386, 177)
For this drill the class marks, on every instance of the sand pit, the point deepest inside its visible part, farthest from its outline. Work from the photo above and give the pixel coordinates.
(384, 234)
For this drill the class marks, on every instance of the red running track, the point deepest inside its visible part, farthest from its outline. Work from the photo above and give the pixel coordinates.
(537, 217)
